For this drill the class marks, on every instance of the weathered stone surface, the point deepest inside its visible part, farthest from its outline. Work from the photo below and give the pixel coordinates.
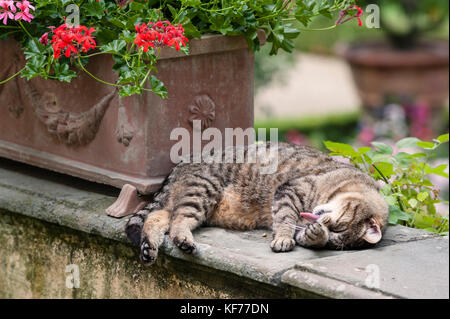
(418, 269)
(328, 287)
(80, 205)
(399, 234)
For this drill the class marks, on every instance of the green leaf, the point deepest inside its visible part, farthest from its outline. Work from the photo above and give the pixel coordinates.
(33, 49)
(63, 72)
(404, 158)
(413, 202)
(426, 145)
(439, 170)
(386, 169)
(94, 9)
(129, 90)
(191, 30)
(408, 142)
(422, 196)
(114, 47)
(424, 221)
(158, 87)
(377, 158)
(340, 148)
(397, 216)
(418, 155)
(364, 150)
(443, 138)
(383, 148)
(391, 200)
(426, 182)
(386, 190)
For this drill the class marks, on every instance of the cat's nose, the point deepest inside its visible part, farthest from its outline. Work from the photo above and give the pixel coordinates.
(321, 212)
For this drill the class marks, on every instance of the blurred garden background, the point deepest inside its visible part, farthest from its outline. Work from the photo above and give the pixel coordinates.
(314, 95)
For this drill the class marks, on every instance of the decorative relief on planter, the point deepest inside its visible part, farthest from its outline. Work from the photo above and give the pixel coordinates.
(124, 130)
(203, 109)
(74, 129)
(11, 92)
(15, 107)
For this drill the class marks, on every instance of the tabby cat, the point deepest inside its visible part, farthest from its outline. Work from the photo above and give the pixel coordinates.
(311, 199)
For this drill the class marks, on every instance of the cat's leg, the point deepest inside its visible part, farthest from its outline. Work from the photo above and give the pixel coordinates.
(285, 218)
(314, 235)
(182, 226)
(189, 213)
(194, 202)
(153, 231)
(134, 226)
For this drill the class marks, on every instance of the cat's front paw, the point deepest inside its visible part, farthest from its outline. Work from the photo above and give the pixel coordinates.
(315, 235)
(149, 252)
(282, 244)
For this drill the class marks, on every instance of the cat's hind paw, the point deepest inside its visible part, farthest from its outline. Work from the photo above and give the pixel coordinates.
(282, 244)
(149, 252)
(184, 243)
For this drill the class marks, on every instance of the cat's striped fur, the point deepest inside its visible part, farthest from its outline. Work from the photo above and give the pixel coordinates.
(237, 196)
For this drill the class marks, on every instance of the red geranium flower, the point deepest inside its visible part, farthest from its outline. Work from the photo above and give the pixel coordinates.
(344, 14)
(158, 34)
(72, 39)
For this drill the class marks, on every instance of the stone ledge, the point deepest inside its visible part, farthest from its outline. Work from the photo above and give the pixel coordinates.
(418, 269)
(80, 205)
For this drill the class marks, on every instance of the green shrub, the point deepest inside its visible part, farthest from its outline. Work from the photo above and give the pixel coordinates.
(407, 188)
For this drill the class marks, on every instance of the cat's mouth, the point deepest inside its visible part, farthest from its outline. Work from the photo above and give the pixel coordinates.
(310, 217)
(313, 217)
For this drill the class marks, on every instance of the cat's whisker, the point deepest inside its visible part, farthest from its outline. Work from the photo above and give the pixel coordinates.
(294, 226)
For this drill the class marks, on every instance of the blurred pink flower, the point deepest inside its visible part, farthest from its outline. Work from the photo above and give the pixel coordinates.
(44, 38)
(7, 10)
(366, 136)
(295, 137)
(25, 14)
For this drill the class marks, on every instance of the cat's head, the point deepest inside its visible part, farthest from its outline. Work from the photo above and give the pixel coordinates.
(353, 219)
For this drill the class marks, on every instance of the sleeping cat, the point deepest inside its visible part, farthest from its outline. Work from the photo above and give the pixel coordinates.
(310, 199)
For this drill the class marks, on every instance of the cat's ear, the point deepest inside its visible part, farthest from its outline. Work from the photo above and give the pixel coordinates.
(373, 233)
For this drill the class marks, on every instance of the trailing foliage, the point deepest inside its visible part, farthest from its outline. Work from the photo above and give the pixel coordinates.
(112, 27)
(407, 187)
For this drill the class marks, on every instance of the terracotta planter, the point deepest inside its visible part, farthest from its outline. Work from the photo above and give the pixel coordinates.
(381, 71)
(84, 130)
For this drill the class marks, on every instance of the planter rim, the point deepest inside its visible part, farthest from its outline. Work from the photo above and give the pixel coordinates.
(212, 43)
(85, 171)
(380, 54)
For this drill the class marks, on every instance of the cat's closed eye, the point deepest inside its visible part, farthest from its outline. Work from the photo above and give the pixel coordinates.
(339, 229)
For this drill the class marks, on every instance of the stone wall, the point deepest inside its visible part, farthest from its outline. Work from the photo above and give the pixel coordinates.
(49, 221)
(34, 256)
